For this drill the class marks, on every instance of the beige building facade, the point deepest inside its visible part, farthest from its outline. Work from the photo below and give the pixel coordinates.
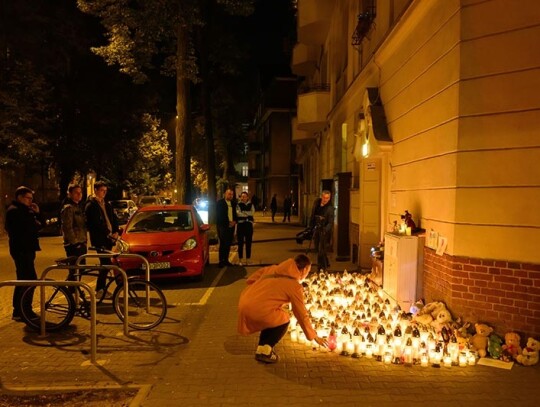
(433, 107)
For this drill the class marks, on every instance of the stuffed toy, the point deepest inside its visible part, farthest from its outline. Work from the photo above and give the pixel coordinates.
(429, 312)
(529, 355)
(443, 319)
(511, 347)
(495, 346)
(479, 340)
(461, 332)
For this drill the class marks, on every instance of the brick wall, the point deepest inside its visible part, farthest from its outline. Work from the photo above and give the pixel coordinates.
(502, 294)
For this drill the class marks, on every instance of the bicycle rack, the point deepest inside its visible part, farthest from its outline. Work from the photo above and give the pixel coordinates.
(55, 283)
(121, 255)
(111, 267)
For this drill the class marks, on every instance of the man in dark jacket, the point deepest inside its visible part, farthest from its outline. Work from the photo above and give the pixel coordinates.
(102, 224)
(322, 222)
(22, 226)
(226, 222)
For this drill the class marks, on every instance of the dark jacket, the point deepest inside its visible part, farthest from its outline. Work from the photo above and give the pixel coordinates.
(97, 225)
(222, 215)
(22, 225)
(326, 212)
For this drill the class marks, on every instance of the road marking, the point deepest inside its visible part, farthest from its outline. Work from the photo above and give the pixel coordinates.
(210, 289)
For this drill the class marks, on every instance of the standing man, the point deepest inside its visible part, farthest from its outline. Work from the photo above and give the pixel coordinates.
(244, 229)
(102, 224)
(273, 206)
(22, 226)
(226, 222)
(287, 205)
(74, 223)
(322, 221)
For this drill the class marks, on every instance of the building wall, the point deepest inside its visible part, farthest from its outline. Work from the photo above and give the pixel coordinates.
(460, 86)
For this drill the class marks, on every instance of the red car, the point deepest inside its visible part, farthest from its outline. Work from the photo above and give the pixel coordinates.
(172, 238)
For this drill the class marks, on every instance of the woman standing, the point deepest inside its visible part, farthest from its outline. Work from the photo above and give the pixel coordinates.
(244, 228)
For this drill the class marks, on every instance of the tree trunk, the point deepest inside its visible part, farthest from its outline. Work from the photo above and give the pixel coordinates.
(207, 112)
(182, 119)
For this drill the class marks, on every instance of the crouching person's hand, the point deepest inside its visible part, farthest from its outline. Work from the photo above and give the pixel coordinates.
(321, 341)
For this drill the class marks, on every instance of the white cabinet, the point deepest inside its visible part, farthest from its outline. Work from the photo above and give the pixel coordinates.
(401, 268)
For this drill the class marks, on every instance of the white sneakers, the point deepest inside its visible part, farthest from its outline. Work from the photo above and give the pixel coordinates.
(266, 354)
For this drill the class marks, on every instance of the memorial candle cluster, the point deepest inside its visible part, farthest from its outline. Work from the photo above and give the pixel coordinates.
(359, 320)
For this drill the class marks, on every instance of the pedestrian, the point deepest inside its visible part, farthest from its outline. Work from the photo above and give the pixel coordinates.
(244, 230)
(273, 207)
(22, 225)
(287, 206)
(322, 221)
(74, 223)
(260, 308)
(102, 224)
(226, 223)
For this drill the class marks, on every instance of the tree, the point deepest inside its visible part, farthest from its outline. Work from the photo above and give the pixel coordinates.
(152, 158)
(156, 36)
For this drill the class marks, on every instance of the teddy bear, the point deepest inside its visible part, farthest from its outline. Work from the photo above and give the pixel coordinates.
(429, 312)
(529, 355)
(443, 319)
(511, 347)
(461, 332)
(479, 340)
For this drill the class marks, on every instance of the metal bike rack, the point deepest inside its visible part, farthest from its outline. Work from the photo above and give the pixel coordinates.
(55, 283)
(115, 256)
(110, 267)
(121, 255)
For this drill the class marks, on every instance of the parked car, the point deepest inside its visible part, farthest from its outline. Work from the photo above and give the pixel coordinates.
(50, 218)
(123, 208)
(173, 239)
(147, 200)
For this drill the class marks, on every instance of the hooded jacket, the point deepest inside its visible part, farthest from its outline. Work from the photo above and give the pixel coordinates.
(269, 290)
(22, 225)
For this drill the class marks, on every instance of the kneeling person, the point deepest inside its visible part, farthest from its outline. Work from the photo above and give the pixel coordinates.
(261, 305)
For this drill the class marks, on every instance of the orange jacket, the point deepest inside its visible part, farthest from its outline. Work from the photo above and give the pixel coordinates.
(262, 301)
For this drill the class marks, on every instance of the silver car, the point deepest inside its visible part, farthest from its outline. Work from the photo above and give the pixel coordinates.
(124, 208)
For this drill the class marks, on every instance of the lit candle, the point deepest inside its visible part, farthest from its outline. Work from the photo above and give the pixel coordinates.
(472, 359)
(369, 350)
(424, 360)
(447, 360)
(294, 335)
(462, 359)
(387, 358)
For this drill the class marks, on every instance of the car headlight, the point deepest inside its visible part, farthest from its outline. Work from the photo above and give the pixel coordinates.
(51, 221)
(189, 244)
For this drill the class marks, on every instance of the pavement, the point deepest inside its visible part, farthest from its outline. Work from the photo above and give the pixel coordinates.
(196, 358)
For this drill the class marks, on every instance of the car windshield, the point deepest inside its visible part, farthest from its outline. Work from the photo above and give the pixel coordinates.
(119, 204)
(161, 221)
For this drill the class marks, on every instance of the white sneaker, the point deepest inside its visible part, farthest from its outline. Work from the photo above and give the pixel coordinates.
(241, 262)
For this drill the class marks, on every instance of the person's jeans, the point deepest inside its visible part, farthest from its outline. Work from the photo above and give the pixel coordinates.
(271, 336)
(225, 235)
(244, 232)
(25, 269)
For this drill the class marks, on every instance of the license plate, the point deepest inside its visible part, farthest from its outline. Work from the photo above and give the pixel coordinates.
(158, 265)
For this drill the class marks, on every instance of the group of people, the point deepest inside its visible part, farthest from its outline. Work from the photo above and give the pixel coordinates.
(23, 223)
(234, 216)
(287, 208)
(262, 303)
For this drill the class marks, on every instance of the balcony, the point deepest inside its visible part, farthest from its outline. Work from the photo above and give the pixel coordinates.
(313, 107)
(314, 21)
(304, 59)
(300, 136)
